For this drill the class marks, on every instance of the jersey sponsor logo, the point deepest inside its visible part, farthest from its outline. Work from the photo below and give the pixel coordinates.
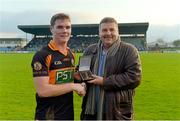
(57, 62)
(64, 76)
(37, 66)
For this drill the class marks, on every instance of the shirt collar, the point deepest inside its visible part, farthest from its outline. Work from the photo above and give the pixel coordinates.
(53, 46)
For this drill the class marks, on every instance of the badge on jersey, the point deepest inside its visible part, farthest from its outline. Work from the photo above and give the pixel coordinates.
(37, 66)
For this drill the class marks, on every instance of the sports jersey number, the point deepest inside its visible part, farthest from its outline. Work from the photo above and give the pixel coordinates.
(64, 76)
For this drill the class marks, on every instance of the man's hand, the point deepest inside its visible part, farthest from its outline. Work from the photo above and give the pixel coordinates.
(98, 80)
(79, 89)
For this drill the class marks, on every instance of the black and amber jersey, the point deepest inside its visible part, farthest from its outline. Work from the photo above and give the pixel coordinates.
(49, 61)
(59, 66)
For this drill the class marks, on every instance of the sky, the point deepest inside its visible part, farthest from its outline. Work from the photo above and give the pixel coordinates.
(159, 13)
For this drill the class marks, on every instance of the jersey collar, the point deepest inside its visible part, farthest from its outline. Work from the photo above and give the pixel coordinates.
(53, 46)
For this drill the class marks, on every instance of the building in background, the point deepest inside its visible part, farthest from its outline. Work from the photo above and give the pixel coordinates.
(85, 34)
(12, 44)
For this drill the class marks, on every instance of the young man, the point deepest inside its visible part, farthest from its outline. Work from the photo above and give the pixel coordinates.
(53, 68)
(117, 70)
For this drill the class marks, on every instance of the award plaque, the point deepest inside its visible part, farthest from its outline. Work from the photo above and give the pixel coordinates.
(84, 68)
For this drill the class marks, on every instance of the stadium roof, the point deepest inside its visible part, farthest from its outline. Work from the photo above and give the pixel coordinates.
(12, 39)
(87, 29)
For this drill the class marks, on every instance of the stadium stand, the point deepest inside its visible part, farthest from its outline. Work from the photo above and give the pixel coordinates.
(78, 44)
(36, 43)
(85, 34)
(11, 44)
(138, 42)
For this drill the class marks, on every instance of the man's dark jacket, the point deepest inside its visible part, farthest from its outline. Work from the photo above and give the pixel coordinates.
(123, 75)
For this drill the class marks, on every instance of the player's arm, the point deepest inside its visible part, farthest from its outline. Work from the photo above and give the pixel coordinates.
(40, 65)
(44, 89)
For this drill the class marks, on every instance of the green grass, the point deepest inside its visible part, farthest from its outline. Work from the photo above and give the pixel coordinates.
(16, 87)
(157, 97)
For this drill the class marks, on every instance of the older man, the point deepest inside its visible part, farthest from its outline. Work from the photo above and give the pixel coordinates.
(117, 70)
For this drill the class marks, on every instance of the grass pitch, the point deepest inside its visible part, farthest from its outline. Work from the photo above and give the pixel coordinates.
(157, 98)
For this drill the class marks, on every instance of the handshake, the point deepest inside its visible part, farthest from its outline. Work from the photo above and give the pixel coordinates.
(96, 80)
(79, 88)
(84, 75)
(81, 78)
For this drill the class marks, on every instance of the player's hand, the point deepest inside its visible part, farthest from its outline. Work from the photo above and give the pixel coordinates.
(98, 80)
(79, 89)
(83, 93)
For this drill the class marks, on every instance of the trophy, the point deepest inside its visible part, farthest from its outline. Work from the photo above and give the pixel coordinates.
(84, 68)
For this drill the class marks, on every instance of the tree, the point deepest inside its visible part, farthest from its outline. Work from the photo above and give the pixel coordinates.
(176, 43)
(160, 41)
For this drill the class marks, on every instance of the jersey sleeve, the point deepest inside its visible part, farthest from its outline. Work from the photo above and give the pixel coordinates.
(39, 66)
